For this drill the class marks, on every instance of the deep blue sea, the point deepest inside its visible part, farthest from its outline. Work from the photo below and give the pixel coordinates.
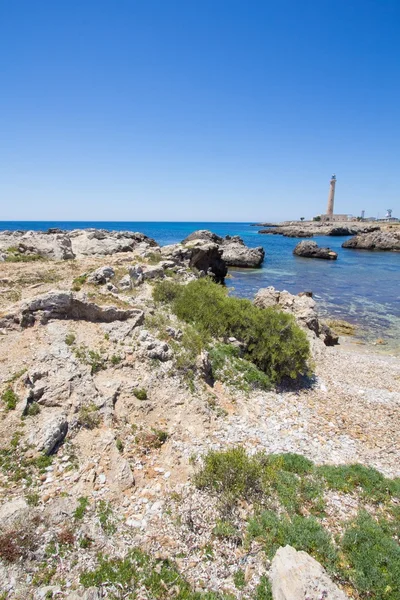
(362, 287)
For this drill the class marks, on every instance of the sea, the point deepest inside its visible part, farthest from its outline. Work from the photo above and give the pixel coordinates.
(361, 287)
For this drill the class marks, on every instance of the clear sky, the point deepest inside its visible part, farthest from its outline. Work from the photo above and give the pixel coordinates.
(229, 110)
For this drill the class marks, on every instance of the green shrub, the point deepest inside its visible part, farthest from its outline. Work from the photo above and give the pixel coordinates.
(10, 399)
(300, 532)
(119, 444)
(14, 255)
(272, 340)
(83, 503)
(89, 417)
(348, 478)
(70, 339)
(140, 393)
(106, 517)
(226, 530)
(230, 368)
(263, 590)
(78, 282)
(32, 409)
(115, 359)
(157, 580)
(166, 291)
(231, 473)
(289, 478)
(239, 579)
(374, 559)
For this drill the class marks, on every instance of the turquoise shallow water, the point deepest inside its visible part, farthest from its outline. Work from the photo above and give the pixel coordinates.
(362, 287)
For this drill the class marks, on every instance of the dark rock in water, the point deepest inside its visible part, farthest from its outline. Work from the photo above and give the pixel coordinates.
(379, 240)
(312, 250)
(309, 294)
(275, 231)
(54, 230)
(200, 254)
(234, 252)
(351, 230)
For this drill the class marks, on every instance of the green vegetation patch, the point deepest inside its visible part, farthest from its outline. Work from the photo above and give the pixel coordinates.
(303, 533)
(271, 339)
(374, 558)
(15, 255)
(349, 478)
(10, 398)
(230, 368)
(138, 575)
(289, 479)
(288, 492)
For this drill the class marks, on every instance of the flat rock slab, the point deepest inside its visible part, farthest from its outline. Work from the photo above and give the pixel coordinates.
(295, 575)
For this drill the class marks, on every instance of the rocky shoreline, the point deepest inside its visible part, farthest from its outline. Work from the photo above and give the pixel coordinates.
(101, 431)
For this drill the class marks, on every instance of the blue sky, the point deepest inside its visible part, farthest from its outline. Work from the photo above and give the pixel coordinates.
(198, 109)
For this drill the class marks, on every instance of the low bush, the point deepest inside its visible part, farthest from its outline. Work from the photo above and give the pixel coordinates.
(374, 558)
(271, 339)
(140, 393)
(347, 478)
(285, 488)
(10, 399)
(303, 533)
(230, 368)
(89, 417)
(156, 579)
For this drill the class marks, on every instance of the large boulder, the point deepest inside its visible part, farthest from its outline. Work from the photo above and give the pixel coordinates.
(198, 254)
(234, 251)
(378, 240)
(51, 433)
(312, 250)
(302, 307)
(295, 575)
(101, 275)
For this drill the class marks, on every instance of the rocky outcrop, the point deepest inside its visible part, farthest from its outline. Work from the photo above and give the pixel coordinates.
(51, 434)
(312, 250)
(63, 305)
(204, 256)
(311, 229)
(379, 240)
(234, 252)
(101, 275)
(293, 233)
(56, 246)
(302, 307)
(63, 245)
(295, 575)
(89, 242)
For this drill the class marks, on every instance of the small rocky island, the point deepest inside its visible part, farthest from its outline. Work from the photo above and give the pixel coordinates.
(160, 438)
(312, 250)
(378, 240)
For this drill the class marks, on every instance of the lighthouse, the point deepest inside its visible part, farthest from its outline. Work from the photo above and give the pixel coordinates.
(331, 197)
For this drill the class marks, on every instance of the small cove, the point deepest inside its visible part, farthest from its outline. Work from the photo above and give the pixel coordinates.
(361, 287)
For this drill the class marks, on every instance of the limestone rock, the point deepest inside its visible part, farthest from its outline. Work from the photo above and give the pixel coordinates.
(120, 331)
(52, 433)
(379, 240)
(204, 256)
(13, 511)
(302, 307)
(125, 283)
(89, 242)
(312, 250)
(234, 252)
(62, 305)
(295, 575)
(101, 275)
(55, 246)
